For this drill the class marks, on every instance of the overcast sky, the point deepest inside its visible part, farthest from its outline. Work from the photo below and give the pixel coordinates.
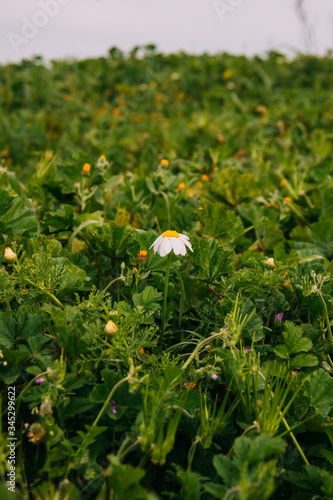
(88, 28)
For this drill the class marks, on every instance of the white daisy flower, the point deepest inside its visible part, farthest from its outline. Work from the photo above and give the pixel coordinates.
(171, 240)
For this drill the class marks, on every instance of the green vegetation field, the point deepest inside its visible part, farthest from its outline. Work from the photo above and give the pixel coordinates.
(129, 372)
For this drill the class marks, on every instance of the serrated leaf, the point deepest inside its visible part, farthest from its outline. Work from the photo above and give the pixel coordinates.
(234, 186)
(115, 241)
(190, 482)
(253, 328)
(219, 221)
(61, 220)
(303, 360)
(217, 490)
(257, 449)
(210, 258)
(294, 340)
(15, 218)
(282, 351)
(263, 447)
(328, 455)
(318, 390)
(124, 480)
(10, 372)
(148, 299)
(7, 330)
(225, 468)
(268, 233)
(29, 325)
(37, 342)
(77, 405)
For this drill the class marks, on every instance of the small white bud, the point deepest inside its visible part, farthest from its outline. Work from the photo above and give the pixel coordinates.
(111, 327)
(10, 256)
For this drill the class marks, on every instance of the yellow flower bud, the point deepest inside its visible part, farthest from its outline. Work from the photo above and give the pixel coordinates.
(86, 168)
(10, 256)
(111, 327)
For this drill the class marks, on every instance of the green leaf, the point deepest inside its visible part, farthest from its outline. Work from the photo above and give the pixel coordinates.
(322, 236)
(210, 258)
(37, 342)
(7, 330)
(148, 299)
(264, 447)
(225, 468)
(15, 218)
(18, 187)
(233, 186)
(253, 328)
(71, 277)
(328, 455)
(220, 222)
(294, 340)
(113, 240)
(303, 360)
(101, 391)
(217, 490)
(282, 351)
(124, 481)
(61, 220)
(78, 229)
(77, 405)
(318, 390)
(190, 482)
(268, 234)
(10, 372)
(29, 325)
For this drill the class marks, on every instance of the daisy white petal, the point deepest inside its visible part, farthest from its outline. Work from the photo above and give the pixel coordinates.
(165, 247)
(156, 243)
(188, 244)
(177, 246)
(171, 240)
(182, 247)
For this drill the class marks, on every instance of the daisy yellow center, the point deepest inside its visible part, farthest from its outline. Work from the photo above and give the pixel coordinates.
(170, 234)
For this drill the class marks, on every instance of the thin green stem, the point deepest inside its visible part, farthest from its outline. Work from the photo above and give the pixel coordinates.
(133, 445)
(111, 282)
(165, 298)
(53, 297)
(108, 399)
(192, 451)
(202, 343)
(327, 317)
(288, 428)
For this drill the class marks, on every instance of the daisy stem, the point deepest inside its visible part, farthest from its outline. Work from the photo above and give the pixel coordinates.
(165, 298)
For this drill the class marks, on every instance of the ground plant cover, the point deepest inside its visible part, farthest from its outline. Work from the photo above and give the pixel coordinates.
(166, 242)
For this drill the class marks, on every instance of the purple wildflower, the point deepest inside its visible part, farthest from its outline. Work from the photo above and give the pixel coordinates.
(279, 317)
(247, 351)
(39, 380)
(113, 407)
(214, 376)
